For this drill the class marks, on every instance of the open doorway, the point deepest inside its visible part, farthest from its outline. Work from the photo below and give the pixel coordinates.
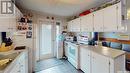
(48, 44)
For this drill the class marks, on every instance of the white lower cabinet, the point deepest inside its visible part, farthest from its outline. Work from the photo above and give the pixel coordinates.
(20, 65)
(16, 69)
(99, 63)
(66, 49)
(93, 62)
(85, 60)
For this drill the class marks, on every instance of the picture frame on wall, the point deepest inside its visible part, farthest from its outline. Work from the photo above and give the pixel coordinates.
(29, 34)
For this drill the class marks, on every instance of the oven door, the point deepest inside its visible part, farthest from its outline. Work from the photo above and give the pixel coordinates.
(72, 51)
(73, 55)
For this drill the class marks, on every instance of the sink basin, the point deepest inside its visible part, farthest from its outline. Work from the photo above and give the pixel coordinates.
(5, 60)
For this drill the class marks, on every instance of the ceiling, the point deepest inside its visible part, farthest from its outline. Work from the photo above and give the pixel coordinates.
(59, 7)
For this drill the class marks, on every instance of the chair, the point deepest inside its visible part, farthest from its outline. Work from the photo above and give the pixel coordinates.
(126, 47)
(106, 44)
(115, 45)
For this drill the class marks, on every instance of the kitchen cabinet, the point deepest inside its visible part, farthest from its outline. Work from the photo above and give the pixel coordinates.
(100, 64)
(98, 21)
(98, 59)
(74, 25)
(8, 21)
(16, 69)
(87, 23)
(85, 60)
(113, 21)
(66, 48)
(4, 24)
(20, 65)
(110, 18)
(70, 23)
(7, 24)
(120, 20)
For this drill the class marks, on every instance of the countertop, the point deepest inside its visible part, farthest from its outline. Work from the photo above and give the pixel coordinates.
(10, 65)
(106, 51)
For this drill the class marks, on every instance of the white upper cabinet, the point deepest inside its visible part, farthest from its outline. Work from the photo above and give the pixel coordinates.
(98, 21)
(120, 22)
(76, 25)
(87, 23)
(110, 19)
(8, 21)
(12, 23)
(4, 24)
(70, 26)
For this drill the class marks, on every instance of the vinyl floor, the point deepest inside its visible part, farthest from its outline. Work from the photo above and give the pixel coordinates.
(56, 66)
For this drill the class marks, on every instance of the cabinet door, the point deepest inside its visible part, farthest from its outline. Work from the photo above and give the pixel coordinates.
(76, 25)
(22, 62)
(26, 62)
(15, 69)
(100, 64)
(121, 27)
(12, 23)
(87, 23)
(70, 26)
(4, 24)
(98, 21)
(110, 19)
(66, 48)
(85, 60)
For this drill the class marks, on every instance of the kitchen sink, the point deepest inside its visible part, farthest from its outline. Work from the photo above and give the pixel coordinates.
(5, 60)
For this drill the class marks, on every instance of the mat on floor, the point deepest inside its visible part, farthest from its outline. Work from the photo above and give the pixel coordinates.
(45, 64)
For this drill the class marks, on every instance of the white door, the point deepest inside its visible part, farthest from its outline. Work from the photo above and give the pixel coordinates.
(98, 21)
(100, 64)
(46, 41)
(87, 23)
(85, 62)
(110, 18)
